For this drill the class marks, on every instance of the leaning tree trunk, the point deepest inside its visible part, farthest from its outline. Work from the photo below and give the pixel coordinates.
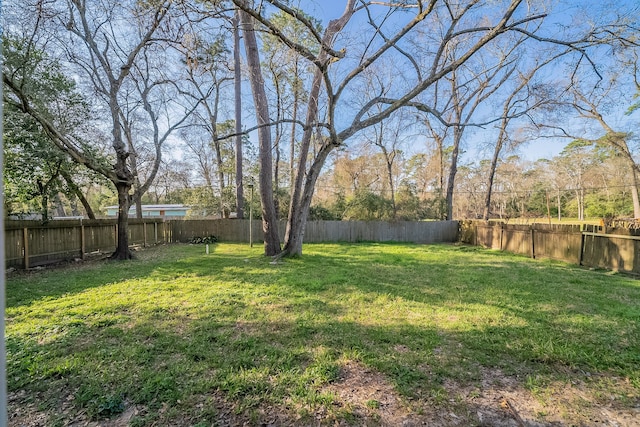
(75, 190)
(299, 212)
(301, 197)
(269, 221)
(85, 204)
(457, 136)
(492, 175)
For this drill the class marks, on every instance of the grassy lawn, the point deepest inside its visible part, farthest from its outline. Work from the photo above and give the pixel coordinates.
(349, 334)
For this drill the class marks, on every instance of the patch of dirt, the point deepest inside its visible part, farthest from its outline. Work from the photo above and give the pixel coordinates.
(364, 397)
(369, 396)
(496, 400)
(499, 399)
(24, 412)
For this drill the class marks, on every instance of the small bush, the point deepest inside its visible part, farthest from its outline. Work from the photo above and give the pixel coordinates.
(204, 240)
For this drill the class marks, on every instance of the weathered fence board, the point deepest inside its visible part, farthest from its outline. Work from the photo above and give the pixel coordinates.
(558, 245)
(616, 250)
(29, 243)
(378, 231)
(613, 249)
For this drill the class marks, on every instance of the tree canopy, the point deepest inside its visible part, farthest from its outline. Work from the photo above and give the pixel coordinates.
(379, 110)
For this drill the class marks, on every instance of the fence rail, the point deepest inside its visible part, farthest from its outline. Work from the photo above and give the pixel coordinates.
(587, 245)
(30, 244)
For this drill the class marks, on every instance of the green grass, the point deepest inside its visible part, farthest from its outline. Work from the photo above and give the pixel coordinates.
(188, 335)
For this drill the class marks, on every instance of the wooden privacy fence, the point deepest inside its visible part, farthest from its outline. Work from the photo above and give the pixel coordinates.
(587, 245)
(29, 243)
(234, 230)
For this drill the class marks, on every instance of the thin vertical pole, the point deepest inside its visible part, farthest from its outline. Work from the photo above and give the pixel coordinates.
(582, 242)
(251, 220)
(82, 241)
(548, 207)
(533, 246)
(25, 246)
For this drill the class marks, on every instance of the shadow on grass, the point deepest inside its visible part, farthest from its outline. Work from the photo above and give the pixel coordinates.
(28, 287)
(161, 362)
(264, 334)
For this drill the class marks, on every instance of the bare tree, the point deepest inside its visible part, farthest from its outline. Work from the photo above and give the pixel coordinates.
(114, 63)
(589, 97)
(208, 73)
(339, 66)
(587, 108)
(522, 98)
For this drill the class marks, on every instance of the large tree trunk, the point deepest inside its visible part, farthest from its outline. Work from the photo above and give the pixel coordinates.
(276, 144)
(237, 87)
(122, 244)
(292, 147)
(301, 199)
(457, 137)
(269, 217)
(299, 212)
(124, 179)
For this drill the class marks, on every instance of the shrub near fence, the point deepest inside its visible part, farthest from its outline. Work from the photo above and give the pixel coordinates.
(587, 245)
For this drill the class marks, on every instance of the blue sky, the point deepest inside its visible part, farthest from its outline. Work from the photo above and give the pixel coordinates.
(543, 148)
(561, 16)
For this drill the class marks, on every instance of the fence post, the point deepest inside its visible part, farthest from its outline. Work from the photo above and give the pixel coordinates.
(155, 232)
(533, 246)
(82, 243)
(474, 228)
(501, 234)
(581, 255)
(144, 234)
(25, 246)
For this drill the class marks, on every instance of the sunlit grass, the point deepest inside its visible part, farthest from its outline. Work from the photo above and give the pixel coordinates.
(176, 327)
